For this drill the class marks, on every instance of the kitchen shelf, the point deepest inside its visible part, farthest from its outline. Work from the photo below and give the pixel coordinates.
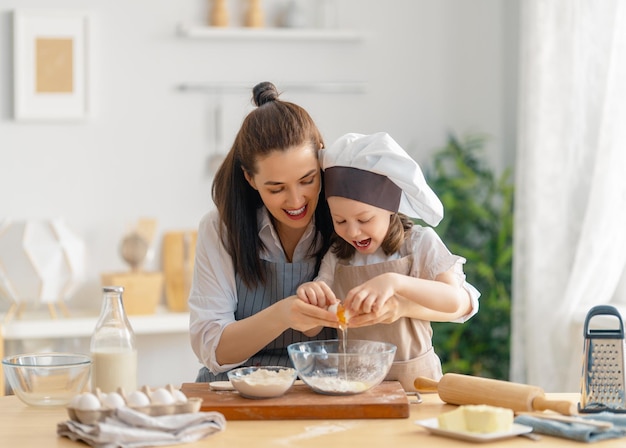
(286, 34)
(313, 87)
(75, 327)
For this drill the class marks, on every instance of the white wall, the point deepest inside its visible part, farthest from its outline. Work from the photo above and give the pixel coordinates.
(430, 66)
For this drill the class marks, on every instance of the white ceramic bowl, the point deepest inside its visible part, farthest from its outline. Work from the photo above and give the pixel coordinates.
(47, 379)
(329, 369)
(263, 381)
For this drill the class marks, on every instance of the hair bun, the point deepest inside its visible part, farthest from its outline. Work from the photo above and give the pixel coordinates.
(264, 92)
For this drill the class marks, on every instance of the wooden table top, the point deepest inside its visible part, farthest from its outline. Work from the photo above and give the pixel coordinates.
(32, 427)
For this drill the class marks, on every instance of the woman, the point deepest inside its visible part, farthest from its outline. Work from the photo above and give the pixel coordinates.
(267, 236)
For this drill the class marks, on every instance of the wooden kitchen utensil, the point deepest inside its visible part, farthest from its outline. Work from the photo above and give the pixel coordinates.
(179, 252)
(460, 389)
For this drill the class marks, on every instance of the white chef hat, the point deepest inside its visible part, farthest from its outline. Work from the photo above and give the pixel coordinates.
(375, 170)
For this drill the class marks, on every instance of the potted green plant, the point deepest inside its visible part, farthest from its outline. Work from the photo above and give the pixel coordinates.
(478, 225)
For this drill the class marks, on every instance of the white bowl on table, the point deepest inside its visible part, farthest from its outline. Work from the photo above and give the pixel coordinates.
(262, 381)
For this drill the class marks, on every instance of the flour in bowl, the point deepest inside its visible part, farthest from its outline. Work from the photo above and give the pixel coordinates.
(267, 377)
(332, 385)
(262, 382)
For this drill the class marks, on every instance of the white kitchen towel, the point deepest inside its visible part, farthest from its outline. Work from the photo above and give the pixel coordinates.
(127, 428)
(578, 431)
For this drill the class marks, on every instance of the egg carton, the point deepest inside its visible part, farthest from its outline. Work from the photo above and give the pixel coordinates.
(154, 408)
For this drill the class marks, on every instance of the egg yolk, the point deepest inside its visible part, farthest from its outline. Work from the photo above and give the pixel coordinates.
(341, 314)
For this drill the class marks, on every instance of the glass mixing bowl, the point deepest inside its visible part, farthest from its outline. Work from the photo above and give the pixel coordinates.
(47, 379)
(330, 368)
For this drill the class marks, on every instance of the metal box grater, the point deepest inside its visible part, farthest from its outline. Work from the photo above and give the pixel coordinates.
(603, 379)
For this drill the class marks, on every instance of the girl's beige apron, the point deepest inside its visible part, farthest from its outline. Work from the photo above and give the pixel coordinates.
(413, 337)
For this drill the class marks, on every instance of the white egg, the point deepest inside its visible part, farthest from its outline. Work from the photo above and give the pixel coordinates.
(88, 402)
(74, 401)
(113, 400)
(162, 396)
(137, 399)
(179, 397)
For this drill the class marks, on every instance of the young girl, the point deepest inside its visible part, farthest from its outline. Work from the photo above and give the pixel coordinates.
(394, 277)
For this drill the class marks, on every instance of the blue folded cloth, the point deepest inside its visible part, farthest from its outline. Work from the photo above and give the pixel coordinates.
(578, 431)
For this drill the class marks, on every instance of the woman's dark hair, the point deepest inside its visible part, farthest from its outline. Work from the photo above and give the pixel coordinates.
(274, 125)
(399, 225)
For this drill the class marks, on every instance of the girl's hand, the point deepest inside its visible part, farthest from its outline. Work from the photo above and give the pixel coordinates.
(390, 312)
(316, 293)
(371, 296)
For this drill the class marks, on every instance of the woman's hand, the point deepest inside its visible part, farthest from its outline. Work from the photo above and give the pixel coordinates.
(305, 317)
(267, 325)
(316, 293)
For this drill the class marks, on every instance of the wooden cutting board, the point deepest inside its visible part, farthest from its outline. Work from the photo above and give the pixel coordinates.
(387, 400)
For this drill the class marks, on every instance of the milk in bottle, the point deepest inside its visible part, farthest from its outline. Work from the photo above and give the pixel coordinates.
(113, 346)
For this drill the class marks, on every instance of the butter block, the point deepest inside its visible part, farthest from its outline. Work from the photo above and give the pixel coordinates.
(486, 419)
(453, 420)
(477, 418)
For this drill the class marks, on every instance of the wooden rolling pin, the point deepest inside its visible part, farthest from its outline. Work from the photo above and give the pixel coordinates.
(460, 389)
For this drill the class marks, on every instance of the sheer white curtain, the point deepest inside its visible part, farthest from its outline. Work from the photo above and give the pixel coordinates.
(570, 211)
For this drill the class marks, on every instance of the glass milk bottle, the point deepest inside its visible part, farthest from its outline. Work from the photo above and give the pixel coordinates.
(113, 347)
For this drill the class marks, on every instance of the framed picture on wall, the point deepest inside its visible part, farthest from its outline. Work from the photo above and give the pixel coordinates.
(50, 71)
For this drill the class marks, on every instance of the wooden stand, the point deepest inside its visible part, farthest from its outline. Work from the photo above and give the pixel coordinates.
(142, 290)
(179, 251)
